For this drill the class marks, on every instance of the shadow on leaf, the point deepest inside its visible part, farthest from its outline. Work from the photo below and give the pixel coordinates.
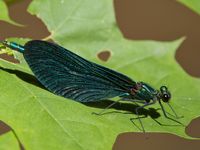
(24, 76)
(129, 108)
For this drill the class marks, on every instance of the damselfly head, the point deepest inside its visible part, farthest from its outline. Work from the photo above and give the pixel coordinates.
(165, 95)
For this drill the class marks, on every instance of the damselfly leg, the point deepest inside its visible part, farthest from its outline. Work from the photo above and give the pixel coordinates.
(176, 116)
(165, 114)
(105, 109)
(137, 113)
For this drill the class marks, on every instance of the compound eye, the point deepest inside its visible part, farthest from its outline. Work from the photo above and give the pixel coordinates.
(166, 97)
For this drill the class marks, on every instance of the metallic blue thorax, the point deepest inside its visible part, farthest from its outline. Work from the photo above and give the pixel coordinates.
(145, 92)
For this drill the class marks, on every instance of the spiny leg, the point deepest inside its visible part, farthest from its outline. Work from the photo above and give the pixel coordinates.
(176, 116)
(163, 110)
(139, 128)
(136, 110)
(161, 124)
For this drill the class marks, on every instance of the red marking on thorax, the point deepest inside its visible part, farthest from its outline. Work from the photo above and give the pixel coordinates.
(136, 88)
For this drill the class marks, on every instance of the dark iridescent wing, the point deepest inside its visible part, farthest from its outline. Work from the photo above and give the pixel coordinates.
(67, 74)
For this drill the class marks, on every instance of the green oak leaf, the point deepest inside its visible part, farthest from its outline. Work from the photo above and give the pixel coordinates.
(43, 120)
(4, 14)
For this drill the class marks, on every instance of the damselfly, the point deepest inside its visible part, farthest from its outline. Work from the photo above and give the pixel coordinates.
(69, 75)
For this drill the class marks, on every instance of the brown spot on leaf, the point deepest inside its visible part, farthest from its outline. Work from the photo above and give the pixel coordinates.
(104, 55)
